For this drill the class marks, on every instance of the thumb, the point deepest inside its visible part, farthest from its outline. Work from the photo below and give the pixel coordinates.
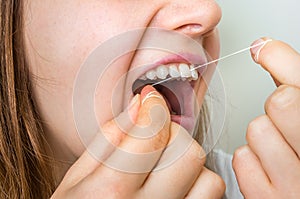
(153, 116)
(140, 151)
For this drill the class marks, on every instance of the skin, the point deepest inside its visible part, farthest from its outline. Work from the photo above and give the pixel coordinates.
(59, 36)
(272, 153)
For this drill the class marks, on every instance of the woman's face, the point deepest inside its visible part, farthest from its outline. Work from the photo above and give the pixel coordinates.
(60, 35)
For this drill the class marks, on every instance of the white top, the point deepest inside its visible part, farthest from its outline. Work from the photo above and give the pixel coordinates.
(223, 167)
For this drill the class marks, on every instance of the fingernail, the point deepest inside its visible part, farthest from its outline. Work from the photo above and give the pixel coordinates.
(134, 100)
(151, 94)
(257, 46)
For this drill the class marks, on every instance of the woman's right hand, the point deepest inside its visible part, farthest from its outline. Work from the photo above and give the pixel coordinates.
(186, 177)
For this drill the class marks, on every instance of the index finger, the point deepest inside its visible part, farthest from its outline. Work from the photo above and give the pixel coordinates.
(279, 59)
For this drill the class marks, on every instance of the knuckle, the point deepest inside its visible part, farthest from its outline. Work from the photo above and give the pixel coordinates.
(257, 128)
(197, 152)
(192, 152)
(282, 98)
(219, 183)
(239, 156)
(195, 156)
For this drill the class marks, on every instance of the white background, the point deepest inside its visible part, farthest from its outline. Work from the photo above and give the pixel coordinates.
(247, 85)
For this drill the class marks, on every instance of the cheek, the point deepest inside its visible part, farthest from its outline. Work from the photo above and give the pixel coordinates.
(58, 40)
(110, 92)
(212, 44)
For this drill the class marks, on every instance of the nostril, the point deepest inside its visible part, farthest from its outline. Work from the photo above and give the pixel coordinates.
(190, 29)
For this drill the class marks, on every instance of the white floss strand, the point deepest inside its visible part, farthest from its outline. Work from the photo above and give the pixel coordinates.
(262, 44)
(151, 94)
(258, 52)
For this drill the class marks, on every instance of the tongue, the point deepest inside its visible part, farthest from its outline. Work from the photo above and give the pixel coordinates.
(180, 95)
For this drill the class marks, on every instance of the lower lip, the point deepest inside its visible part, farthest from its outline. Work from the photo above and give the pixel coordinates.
(187, 122)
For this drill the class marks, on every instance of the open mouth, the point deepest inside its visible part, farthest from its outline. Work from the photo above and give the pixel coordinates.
(178, 91)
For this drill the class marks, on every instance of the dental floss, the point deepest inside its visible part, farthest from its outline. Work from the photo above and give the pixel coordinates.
(258, 52)
(151, 94)
(224, 57)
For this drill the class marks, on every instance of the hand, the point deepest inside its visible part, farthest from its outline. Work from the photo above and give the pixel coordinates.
(269, 166)
(184, 178)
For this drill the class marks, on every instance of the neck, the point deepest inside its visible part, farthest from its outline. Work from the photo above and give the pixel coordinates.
(62, 158)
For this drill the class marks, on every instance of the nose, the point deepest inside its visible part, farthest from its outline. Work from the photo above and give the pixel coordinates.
(191, 17)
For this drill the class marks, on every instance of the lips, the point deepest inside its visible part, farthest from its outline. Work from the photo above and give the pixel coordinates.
(179, 92)
(183, 58)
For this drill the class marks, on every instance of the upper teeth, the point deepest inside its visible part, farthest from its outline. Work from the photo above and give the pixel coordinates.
(178, 71)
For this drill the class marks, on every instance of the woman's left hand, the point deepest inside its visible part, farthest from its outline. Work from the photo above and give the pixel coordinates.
(269, 165)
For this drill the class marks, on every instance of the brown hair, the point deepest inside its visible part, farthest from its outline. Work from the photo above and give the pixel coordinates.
(25, 171)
